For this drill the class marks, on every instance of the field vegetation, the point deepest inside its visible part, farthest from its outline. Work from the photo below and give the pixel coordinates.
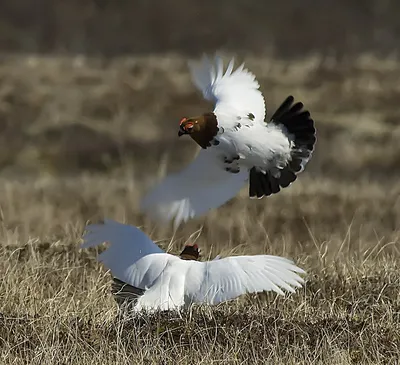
(88, 122)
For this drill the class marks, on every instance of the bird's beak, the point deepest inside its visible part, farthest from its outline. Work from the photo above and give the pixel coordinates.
(180, 133)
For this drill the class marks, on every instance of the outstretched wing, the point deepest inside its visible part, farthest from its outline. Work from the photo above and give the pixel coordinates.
(230, 277)
(202, 185)
(235, 93)
(132, 256)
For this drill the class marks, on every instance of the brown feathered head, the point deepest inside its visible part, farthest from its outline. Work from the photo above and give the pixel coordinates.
(202, 129)
(190, 252)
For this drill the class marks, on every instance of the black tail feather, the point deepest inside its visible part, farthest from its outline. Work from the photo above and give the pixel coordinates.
(261, 184)
(283, 108)
(287, 177)
(300, 127)
(125, 293)
(256, 188)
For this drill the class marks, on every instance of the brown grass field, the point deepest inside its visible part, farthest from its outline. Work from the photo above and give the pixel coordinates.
(82, 138)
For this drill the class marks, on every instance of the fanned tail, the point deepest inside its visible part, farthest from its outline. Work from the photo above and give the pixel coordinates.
(301, 130)
(125, 294)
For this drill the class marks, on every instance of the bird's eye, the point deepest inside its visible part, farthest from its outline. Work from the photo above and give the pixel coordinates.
(189, 126)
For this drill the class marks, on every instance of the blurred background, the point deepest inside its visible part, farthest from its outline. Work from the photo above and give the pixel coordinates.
(91, 93)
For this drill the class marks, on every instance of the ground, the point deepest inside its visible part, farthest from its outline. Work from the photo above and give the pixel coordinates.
(83, 138)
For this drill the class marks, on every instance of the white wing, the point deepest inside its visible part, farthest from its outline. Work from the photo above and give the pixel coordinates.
(136, 260)
(132, 256)
(216, 281)
(170, 282)
(235, 93)
(202, 185)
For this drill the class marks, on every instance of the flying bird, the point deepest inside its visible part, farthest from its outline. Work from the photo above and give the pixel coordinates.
(157, 280)
(237, 145)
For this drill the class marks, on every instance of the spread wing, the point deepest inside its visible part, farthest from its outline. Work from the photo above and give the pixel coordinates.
(147, 276)
(230, 277)
(202, 185)
(235, 93)
(132, 256)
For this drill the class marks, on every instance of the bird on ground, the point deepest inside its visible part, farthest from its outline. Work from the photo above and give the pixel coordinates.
(126, 294)
(156, 280)
(237, 145)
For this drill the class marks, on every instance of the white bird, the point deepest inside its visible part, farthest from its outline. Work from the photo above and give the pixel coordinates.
(237, 145)
(157, 280)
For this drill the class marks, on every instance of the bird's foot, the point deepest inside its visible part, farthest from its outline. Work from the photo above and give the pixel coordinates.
(233, 170)
(230, 160)
(232, 164)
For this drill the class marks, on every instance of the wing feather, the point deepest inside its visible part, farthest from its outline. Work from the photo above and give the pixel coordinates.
(230, 277)
(235, 93)
(202, 185)
(167, 292)
(132, 256)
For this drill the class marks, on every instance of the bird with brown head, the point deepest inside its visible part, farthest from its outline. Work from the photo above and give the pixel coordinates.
(190, 252)
(202, 129)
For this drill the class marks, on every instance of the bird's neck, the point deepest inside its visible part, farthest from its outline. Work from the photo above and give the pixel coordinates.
(207, 130)
(188, 257)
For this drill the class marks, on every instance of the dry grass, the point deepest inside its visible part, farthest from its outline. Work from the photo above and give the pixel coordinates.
(81, 140)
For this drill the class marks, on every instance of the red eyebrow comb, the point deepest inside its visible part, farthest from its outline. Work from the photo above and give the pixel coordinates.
(195, 246)
(182, 120)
